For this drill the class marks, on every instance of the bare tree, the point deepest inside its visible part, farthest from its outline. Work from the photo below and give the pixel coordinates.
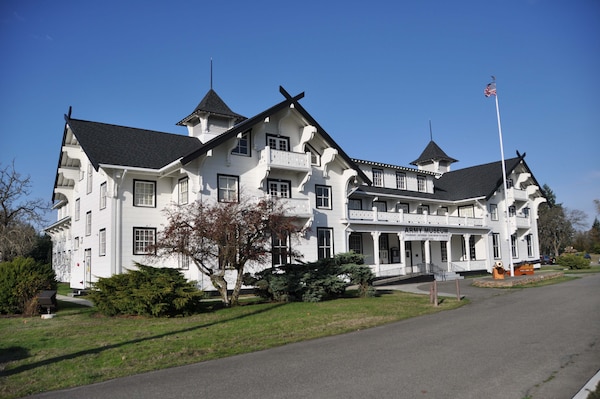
(225, 237)
(19, 214)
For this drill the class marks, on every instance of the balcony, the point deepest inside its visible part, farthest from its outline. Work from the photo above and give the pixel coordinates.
(520, 222)
(517, 195)
(358, 216)
(287, 160)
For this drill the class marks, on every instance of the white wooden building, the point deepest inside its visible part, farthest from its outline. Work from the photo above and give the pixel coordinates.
(113, 183)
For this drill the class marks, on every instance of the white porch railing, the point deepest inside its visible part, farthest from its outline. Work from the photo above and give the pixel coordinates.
(517, 194)
(413, 218)
(285, 159)
(296, 206)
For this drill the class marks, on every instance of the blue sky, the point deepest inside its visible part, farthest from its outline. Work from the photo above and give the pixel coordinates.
(374, 74)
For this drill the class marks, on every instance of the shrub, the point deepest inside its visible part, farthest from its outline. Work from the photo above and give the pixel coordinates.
(573, 261)
(21, 280)
(313, 282)
(147, 291)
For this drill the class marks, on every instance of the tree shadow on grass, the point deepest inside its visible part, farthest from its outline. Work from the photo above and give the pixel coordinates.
(22, 353)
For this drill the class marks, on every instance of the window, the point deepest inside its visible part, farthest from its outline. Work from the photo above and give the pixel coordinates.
(509, 183)
(90, 175)
(466, 211)
(512, 211)
(378, 177)
(143, 238)
(401, 181)
(102, 242)
(88, 223)
(355, 243)
(315, 157)
(243, 145)
(444, 250)
(494, 211)
(182, 195)
(323, 196)
(513, 246)
(279, 188)
(280, 250)
(402, 206)
(442, 211)
(354, 204)
(421, 184)
(228, 188)
(77, 208)
(325, 242)
(496, 245)
(76, 244)
(526, 212)
(144, 193)
(421, 209)
(103, 195)
(529, 242)
(278, 143)
(183, 262)
(380, 205)
(472, 247)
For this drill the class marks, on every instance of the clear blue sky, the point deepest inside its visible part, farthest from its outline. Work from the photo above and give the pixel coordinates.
(374, 74)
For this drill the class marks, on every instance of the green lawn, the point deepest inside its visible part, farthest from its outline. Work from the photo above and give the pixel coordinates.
(79, 346)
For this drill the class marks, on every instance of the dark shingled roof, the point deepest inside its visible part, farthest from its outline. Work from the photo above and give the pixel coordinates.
(432, 153)
(479, 181)
(212, 104)
(126, 146)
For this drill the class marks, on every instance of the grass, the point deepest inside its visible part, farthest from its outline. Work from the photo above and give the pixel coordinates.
(592, 269)
(83, 347)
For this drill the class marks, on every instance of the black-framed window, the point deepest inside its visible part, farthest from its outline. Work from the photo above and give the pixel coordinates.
(228, 188)
(442, 211)
(355, 243)
(144, 193)
(403, 206)
(276, 142)
(102, 242)
(183, 186)
(324, 242)
(444, 250)
(380, 205)
(466, 211)
(315, 157)
(513, 246)
(243, 145)
(377, 177)
(512, 211)
(323, 196)
(401, 180)
(143, 238)
(354, 203)
(279, 188)
(421, 209)
(421, 183)
(280, 250)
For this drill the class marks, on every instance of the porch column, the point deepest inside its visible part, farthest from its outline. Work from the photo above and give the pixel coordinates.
(426, 255)
(449, 253)
(402, 251)
(375, 235)
(467, 238)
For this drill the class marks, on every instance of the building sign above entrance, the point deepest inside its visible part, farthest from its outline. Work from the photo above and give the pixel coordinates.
(426, 233)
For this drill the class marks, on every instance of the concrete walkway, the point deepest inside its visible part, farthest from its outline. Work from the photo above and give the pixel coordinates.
(74, 299)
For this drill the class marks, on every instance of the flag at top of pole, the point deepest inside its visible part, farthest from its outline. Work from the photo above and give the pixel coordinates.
(490, 89)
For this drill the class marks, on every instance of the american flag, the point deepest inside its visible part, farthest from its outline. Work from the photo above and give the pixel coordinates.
(490, 89)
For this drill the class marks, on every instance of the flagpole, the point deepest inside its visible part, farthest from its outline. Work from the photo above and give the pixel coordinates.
(508, 237)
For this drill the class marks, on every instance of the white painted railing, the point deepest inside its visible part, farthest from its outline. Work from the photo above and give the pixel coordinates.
(413, 218)
(285, 159)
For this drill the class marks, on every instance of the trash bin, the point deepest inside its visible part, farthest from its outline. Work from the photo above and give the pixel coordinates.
(47, 301)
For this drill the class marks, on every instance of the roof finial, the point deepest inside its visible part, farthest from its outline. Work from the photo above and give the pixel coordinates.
(430, 132)
(211, 73)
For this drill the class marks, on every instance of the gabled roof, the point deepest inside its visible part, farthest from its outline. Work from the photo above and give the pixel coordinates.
(212, 104)
(126, 146)
(432, 153)
(248, 123)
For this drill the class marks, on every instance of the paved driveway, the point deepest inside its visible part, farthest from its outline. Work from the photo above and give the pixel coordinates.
(538, 342)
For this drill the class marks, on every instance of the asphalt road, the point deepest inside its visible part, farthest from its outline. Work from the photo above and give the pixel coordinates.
(537, 343)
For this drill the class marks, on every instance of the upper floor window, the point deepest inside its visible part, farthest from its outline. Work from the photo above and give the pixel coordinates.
(512, 211)
(182, 191)
(380, 205)
(278, 142)
(509, 183)
(228, 188)
(77, 208)
(494, 211)
(144, 193)
(513, 246)
(90, 175)
(102, 242)
(423, 209)
(243, 145)
(323, 196)
(526, 212)
(442, 211)
(354, 204)
(378, 177)
(421, 183)
(103, 195)
(279, 188)
(401, 180)
(466, 211)
(402, 206)
(88, 223)
(315, 157)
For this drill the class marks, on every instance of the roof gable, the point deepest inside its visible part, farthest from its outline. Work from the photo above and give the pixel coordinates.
(212, 104)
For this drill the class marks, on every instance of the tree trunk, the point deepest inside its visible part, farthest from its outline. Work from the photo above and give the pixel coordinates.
(220, 284)
(235, 295)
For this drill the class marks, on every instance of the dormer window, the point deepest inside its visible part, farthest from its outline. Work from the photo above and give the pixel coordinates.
(421, 184)
(278, 142)
(378, 177)
(243, 145)
(315, 157)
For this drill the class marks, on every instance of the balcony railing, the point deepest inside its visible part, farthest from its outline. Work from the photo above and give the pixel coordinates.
(285, 159)
(521, 222)
(296, 206)
(517, 195)
(413, 218)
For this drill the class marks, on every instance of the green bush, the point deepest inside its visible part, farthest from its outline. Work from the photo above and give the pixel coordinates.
(21, 280)
(147, 291)
(313, 282)
(573, 261)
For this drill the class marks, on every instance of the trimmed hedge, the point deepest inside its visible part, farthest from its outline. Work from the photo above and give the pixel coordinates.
(21, 280)
(313, 282)
(147, 291)
(573, 261)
